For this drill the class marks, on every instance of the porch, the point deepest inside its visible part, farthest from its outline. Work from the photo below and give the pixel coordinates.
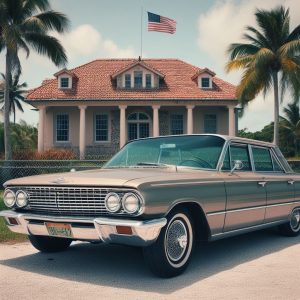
(104, 128)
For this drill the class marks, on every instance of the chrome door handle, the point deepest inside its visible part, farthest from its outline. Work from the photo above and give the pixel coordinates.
(291, 181)
(262, 183)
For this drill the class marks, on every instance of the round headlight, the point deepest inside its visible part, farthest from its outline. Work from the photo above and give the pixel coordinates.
(9, 198)
(21, 200)
(113, 202)
(131, 203)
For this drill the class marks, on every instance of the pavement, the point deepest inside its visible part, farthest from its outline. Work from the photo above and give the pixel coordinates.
(260, 265)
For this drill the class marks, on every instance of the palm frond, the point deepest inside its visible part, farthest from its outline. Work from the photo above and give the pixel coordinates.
(238, 49)
(45, 21)
(239, 63)
(47, 45)
(32, 6)
(260, 40)
(295, 34)
(290, 48)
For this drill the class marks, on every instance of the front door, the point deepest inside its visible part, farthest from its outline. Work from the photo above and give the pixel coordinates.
(246, 193)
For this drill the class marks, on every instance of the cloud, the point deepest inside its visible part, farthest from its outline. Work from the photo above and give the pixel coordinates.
(224, 23)
(86, 40)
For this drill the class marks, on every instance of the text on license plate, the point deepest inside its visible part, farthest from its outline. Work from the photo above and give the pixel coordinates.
(59, 230)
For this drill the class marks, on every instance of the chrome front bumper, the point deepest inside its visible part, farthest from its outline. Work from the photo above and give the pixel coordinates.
(90, 229)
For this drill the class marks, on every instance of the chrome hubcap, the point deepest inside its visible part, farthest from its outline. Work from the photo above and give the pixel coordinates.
(176, 240)
(295, 220)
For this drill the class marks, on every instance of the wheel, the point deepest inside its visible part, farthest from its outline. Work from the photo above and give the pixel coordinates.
(49, 244)
(170, 254)
(292, 228)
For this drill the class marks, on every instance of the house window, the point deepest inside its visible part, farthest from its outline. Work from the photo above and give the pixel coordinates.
(101, 127)
(148, 81)
(62, 127)
(205, 82)
(138, 79)
(177, 124)
(64, 82)
(210, 123)
(138, 126)
(127, 81)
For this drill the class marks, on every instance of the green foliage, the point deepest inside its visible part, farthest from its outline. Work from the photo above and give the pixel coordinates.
(289, 131)
(269, 59)
(16, 95)
(23, 136)
(26, 25)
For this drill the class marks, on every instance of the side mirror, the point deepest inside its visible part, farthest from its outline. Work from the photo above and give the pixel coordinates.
(238, 165)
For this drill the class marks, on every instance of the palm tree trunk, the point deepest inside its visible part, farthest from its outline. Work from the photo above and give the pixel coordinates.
(276, 109)
(296, 146)
(7, 143)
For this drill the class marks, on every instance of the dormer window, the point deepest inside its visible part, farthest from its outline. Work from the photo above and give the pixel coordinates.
(127, 81)
(64, 82)
(137, 75)
(204, 78)
(205, 82)
(138, 79)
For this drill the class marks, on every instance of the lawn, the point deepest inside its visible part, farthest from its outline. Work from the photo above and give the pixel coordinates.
(5, 234)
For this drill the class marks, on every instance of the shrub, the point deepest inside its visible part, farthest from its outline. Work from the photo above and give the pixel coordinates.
(51, 154)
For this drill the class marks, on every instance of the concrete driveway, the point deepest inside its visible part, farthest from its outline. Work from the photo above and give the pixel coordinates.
(261, 265)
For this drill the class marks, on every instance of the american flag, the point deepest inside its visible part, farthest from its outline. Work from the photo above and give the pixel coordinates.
(161, 24)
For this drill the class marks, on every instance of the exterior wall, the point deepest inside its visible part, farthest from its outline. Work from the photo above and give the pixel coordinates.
(108, 148)
(222, 119)
(50, 126)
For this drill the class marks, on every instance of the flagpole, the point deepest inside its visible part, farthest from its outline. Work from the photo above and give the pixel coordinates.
(141, 31)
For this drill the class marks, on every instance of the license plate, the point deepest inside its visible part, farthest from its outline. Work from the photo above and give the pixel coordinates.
(59, 230)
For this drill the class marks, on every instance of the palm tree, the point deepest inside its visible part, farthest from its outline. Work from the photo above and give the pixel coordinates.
(16, 95)
(269, 58)
(291, 124)
(26, 24)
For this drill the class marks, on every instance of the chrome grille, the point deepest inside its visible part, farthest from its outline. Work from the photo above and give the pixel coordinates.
(67, 200)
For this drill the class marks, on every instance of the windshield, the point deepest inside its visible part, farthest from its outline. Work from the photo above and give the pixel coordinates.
(190, 151)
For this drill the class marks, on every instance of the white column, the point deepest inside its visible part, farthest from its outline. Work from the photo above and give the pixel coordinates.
(82, 131)
(190, 122)
(155, 120)
(122, 125)
(42, 111)
(231, 121)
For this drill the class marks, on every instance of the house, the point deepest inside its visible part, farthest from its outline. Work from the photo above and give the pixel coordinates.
(97, 107)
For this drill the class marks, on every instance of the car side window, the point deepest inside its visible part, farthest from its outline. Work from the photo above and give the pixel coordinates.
(276, 165)
(226, 162)
(240, 152)
(262, 159)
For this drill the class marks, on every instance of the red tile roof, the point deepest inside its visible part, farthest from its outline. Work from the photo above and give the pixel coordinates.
(94, 82)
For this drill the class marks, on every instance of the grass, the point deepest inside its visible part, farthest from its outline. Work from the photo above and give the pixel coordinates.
(6, 236)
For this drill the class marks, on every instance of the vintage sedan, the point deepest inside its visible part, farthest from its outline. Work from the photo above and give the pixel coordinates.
(161, 194)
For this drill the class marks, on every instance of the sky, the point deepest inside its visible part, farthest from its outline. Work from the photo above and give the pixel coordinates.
(112, 29)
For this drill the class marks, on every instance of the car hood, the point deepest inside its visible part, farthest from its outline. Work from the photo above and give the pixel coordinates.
(129, 177)
(96, 177)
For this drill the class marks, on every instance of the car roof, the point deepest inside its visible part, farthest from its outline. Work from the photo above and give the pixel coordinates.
(225, 137)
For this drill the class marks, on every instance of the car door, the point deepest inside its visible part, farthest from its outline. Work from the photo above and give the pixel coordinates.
(245, 190)
(279, 185)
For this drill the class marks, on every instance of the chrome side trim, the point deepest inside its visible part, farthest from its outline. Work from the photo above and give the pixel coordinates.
(222, 235)
(186, 183)
(144, 233)
(251, 208)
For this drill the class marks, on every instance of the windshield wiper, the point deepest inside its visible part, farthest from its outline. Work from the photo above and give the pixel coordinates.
(151, 164)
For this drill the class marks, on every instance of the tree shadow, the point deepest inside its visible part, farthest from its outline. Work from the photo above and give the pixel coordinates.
(123, 267)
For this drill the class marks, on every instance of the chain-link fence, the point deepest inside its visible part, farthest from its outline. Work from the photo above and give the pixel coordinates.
(21, 168)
